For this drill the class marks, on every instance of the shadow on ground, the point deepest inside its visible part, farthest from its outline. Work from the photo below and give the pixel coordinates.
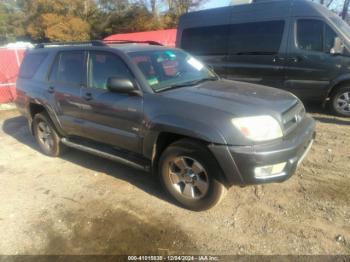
(17, 127)
(120, 230)
(324, 115)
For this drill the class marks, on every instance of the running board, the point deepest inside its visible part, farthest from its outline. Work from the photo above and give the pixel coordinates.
(103, 154)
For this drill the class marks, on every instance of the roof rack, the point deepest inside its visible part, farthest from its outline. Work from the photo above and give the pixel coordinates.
(54, 44)
(94, 43)
(131, 42)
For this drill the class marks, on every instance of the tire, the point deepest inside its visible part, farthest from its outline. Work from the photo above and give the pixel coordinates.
(46, 136)
(189, 173)
(340, 102)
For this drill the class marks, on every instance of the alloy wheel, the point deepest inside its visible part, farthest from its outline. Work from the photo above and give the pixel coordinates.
(188, 177)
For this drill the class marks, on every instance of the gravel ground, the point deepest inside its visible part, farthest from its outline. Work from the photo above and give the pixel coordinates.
(82, 204)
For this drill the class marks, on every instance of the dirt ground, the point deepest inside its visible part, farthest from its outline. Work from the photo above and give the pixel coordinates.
(82, 204)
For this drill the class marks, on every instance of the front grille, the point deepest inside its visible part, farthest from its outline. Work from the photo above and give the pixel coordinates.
(292, 117)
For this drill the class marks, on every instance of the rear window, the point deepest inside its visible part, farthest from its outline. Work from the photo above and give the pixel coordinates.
(31, 64)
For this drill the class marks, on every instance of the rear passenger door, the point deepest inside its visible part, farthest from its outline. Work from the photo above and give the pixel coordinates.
(66, 79)
(257, 51)
(310, 65)
(109, 117)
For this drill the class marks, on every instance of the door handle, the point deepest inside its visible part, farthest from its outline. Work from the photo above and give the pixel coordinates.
(295, 59)
(277, 59)
(51, 90)
(88, 96)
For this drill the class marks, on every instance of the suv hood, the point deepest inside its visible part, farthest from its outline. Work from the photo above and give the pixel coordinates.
(236, 98)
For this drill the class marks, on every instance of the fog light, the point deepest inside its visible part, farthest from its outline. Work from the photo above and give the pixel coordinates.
(269, 171)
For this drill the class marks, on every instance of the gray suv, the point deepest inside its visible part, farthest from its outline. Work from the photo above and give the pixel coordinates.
(160, 109)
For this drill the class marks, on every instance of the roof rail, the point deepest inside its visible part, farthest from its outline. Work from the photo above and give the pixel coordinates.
(54, 44)
(94, 43)
(106, 41)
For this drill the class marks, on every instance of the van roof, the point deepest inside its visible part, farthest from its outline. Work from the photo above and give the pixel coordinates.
(258, 10)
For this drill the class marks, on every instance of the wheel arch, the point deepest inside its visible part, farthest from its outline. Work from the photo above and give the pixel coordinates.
(36, 107)
(337, 84)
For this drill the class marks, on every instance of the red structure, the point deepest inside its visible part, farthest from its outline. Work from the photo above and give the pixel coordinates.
(10, 60)
(164, 37)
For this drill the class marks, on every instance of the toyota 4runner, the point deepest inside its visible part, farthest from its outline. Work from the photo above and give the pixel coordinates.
(160, 109)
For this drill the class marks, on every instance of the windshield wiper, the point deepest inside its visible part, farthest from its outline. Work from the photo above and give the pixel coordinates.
(190, 83)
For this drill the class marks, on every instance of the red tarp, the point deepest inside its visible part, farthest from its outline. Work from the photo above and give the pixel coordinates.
(165, 37)
(10, 60)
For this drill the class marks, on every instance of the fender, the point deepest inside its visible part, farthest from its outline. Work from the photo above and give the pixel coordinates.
(49, 110)
(179, 126)
(337, 81)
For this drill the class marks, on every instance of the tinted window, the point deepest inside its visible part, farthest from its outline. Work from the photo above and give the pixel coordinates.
(68, 68)
(211, 40)
(310, 34)
(256, 38)
(31, 64)
(329, 39)
(103, 65)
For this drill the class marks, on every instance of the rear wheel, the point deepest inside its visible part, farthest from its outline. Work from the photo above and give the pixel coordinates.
(340, 102)
(46, 135)
(189, 174)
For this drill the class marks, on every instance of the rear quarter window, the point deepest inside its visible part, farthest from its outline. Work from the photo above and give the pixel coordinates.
(31, 64)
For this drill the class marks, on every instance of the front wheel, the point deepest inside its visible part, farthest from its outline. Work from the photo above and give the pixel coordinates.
(340, 102)
(189, 173)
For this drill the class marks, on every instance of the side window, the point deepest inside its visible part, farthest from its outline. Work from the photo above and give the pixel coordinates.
(211, 40)
(256, 38)
(329, 39)
(310, 34)
(103, 65)
(31, 64)
(68, 68)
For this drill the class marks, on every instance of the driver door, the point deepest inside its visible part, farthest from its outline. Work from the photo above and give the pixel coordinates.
(310, 66)
(109, 117)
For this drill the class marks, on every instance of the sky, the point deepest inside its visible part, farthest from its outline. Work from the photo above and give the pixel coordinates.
(216, 3)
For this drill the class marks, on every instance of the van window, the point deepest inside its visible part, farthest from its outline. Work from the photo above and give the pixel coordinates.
(329, 39)
(310, 34)
(315, 35)
(103, 65)
(68, 68)
(31, 64)
(212, 40)
(256, 38)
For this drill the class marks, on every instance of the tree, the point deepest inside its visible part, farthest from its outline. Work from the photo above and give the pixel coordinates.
(60, 20)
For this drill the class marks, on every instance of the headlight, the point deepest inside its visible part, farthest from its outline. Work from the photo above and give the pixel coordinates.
(258, 128)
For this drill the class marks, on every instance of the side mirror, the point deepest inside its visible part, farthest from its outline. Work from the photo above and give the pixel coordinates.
(120, 85)
(338, 48)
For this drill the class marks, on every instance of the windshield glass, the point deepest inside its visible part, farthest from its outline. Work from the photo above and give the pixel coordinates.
(342, 25)
(165, 69)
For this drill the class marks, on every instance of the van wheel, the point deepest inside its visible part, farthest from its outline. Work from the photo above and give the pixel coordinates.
(189, 173)
(340, 102)
(46, 135)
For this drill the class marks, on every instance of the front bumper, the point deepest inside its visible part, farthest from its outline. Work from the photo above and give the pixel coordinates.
(239, 162)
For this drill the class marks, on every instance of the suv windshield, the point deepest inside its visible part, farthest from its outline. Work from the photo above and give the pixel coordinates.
(166, 69)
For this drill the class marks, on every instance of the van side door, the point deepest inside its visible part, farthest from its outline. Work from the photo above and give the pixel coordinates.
(66, 79)
(109, 117)
(256, 52)
(310, 66)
